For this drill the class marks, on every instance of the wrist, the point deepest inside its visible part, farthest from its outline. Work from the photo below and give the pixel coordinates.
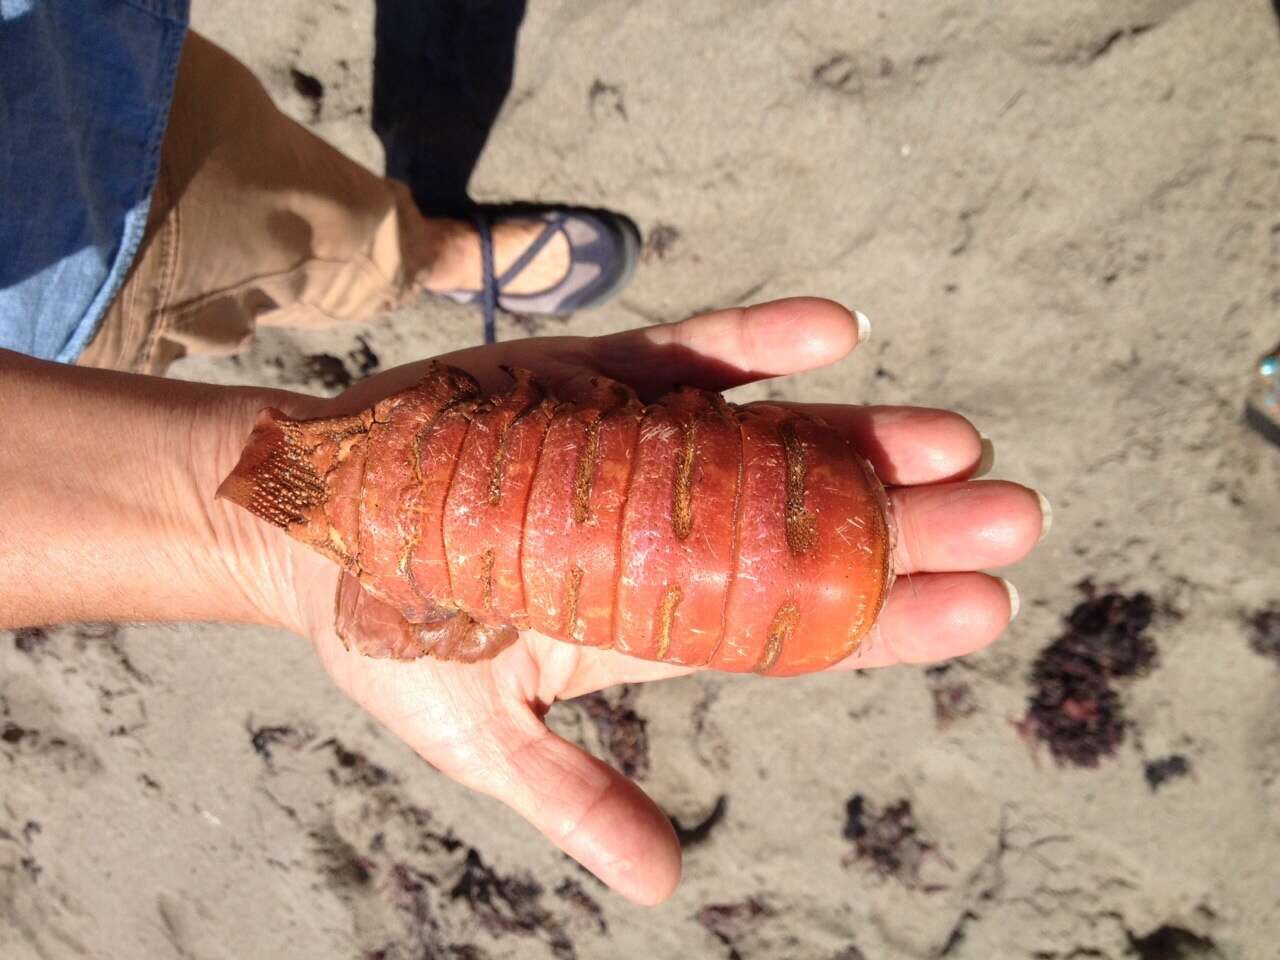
(266, 577)
(106, 501)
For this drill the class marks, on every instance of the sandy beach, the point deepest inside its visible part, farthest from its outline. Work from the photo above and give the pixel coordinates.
(1064, 222)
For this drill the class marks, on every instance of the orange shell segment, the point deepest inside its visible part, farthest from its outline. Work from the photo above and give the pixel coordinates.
(484, 512)
(677, 534)
(813, 549)
(570, 553)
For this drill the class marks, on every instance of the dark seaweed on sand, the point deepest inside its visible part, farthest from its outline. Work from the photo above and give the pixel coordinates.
(621, 729)
(507, 904)
(1074, 708)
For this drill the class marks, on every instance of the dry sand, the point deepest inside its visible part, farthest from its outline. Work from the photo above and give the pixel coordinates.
(1062, 218)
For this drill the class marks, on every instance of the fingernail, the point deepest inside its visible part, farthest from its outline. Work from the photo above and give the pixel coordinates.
(988, 458)
(1014, 603)
(864, 326)
(1046, 515)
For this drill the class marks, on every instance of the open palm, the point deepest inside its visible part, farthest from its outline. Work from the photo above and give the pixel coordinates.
(482, 723)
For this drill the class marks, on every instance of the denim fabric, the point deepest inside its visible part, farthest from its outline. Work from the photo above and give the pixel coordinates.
(85, 89)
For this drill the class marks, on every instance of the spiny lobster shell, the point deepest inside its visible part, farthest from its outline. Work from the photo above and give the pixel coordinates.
(691, 530)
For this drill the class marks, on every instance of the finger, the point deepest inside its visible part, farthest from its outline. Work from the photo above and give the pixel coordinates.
(952, 527)
(585, 807)
(726, 348)
(928, 617)
(590, 811)
(965, 526)
(905, 444)
(936, 616)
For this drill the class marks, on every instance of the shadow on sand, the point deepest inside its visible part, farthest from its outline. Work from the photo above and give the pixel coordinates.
(441, 71)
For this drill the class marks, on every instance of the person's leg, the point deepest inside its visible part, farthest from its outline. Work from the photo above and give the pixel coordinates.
(256, 220)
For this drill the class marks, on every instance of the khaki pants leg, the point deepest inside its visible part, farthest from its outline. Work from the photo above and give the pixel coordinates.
(254, 220)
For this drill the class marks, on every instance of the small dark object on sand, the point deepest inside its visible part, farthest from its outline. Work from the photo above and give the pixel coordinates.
(354, 768)
(571, 892)
(699, 832)
(660, 242)
(325, 369)
(1075, 709)
(363, 359)
(730, 922)
(621, 729)
(1174, 943)
(29, 639)
(952, 700)
(1264, 629)
(1160, 771)
(889, 839)
(307, 86)
(263, 738)
(718, 915)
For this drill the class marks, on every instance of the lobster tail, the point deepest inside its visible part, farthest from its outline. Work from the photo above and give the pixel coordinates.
(690, 531)
(304, 476)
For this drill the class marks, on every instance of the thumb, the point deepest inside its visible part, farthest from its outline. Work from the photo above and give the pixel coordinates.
(582, 805)
(590, 811)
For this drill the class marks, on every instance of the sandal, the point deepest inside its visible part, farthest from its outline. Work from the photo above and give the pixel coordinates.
(603, 250)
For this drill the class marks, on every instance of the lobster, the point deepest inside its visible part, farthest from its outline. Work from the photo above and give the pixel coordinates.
(691, 530)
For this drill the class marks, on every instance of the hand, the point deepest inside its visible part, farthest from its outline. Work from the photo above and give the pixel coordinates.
(482, 723)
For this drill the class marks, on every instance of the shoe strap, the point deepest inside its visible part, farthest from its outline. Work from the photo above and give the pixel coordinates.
(550, 230)
(488, 281)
